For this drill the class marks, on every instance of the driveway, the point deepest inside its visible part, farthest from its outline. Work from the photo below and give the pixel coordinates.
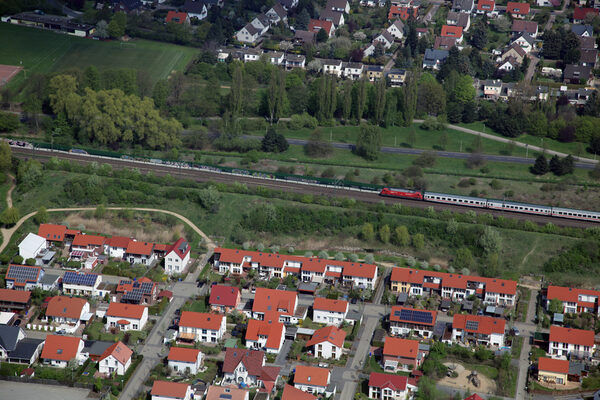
(280, 361)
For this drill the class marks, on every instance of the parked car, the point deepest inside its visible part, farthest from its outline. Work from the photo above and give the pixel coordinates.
(18, 322)
(354, 300)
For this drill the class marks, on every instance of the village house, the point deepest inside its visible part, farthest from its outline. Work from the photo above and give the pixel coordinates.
(359, 275)
(529, 27)
(514, 52)
(248, 367)
(524, 41)
(492, 89)
(486, 6)
(571, 342)
(68, 310)
(177, 257)
(116, 246)
(329, 311)
(177, 17)
(492, 291)
(312, 379)
(553, 371)
(396, 77)
(165, 390)
(276, 58)
(508, 64)
(126, 316)
(317, 24)
(248, 34)
(271, 303)
(10, 336)
(459, 19)
(336, 18)
(434, 58)
(81, 283)
(403, 12)
(59, 350)
(391, 386)
(141, 291)
(267, 335)
(15, 347)
(573, 300)
(32, 246)
(580, 14)
(577, 74)
(84, 246)
(295, 61)
(23, 277)
(444, 43)
(14, 300)
(201, 327)
(185, 360)
(517, 10)
(396, 29)
(463, 6)
(333, 67)
(116, 359)
(583, 30)
(401, 354)
(291, 393)
(455, 32)
(327, 342)
(262, 23)
(405, 321)
(227, 392)
(301, 37)
(54, 234)
(374, 72)
(352, 70)
(195, 9)
(139, 252)
(224, 299)
(478, 330)
(277, 14)
(338, 5)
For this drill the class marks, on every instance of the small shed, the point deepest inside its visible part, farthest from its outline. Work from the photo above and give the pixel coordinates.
(445, 305)
(558, 318)
(402, 298)
(467, 305)
(307, 288)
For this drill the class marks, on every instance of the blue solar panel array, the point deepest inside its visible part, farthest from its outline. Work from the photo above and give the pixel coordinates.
(415, 316)
(472, 325)
(139, 290)
(74, 278)
(22, 274)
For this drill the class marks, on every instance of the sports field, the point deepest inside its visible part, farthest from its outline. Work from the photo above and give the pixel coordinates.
(43, 51)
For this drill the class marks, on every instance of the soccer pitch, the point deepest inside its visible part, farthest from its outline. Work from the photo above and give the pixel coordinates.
(44, 51)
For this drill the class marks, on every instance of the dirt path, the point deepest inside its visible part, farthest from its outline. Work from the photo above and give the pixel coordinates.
(535, 242)
(9, 202)
(7, 233)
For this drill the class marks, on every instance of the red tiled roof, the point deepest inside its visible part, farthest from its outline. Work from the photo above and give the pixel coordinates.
(177, 17)
(252, 359)
(88, 240)
(139, 247)
(581, 337)
(552, 365)
(266, 300)
(402, 12)
(184, 354)
(227, 296)
(579, 13)
(311, 375)
(119, 351)
(316, 24)
(485, 325)
(291, 393)
(169, 389)
(396, 317)
(321, 303)
(72, 232)
(177, 248)
(360, 270)
(225, 392)
(15, 296)
(517, 8)
(486, 5)
(415, 276)
(570, 295)
(333, 274)
(165, 293)
(273, 330)
(123, 322)
(122, 310)
(474, 397)
(65, 307)
(58, 347)
(451, 31)
(398, 347)
(118, 241)
(331, 334)
(54, 233)
(201, 320)
(520, 25)
(396, 383)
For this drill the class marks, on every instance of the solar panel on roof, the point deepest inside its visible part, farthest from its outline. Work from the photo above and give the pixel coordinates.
(415, 316)
(74, 278)
(22, 273)
(472, 325)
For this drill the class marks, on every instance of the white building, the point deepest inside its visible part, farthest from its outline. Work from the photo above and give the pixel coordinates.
(201, 327)
(360, 275)
(81, 283)
(32, 246)
(68, 310)
(116, 246)
(396, 29)
(312, 380)
(248, 34)
(116, 359)
(126, 316)
(327, 342)
(571, 342)
(59, 350)
(353, 71)
(242, 366)
(329, 311)
(185, 360)
(478, 330)
(333, 67)
(265, 335)
(165, 390)
(391, 387)
(177, 257)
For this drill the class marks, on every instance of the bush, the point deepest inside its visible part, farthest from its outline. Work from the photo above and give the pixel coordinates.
(496, 184)
(329, 172)
(18, 259)
(317, 146)
(323, 254)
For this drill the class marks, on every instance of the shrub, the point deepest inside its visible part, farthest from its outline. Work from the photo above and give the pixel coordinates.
(339, 256)
(308, 254)
(260, 247)
(323, 254)
(291, 250)
(369, 259)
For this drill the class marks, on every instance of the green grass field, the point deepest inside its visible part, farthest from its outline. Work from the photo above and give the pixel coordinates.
(41, 51)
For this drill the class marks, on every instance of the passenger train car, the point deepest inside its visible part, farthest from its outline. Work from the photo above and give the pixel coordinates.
(503, 205)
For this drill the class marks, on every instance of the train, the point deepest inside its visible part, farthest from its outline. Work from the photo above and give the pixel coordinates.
(492, 204)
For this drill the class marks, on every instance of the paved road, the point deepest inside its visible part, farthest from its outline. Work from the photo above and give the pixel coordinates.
(524, 357)
(153, 348)
(533, 62)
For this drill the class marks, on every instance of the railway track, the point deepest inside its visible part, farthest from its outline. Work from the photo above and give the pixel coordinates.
(288, 186)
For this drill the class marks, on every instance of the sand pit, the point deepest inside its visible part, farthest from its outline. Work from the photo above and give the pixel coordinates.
(486, 385)
(7, 72)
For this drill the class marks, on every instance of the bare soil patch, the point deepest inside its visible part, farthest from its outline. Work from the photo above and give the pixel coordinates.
(486, 385)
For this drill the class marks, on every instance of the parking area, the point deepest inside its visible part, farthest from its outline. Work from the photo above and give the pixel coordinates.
(18, 390)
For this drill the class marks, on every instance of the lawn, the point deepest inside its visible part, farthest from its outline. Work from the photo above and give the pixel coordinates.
(517, 345)
(41, 51)
(536, 353)
(95, 331)
(198, 305)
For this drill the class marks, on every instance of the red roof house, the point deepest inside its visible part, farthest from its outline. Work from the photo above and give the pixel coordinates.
(316, 24)
(126, 316)
(177, 17)
(254, 371)
(224, 298)
(59, 350)
(486, 6)
(478, 329)
(580, 13)
(401, 354)
(52, 233)
(390, 386)
(570, 341)
(453, 32)
(291, 393)
(327, 342)
(517, 10)
(14, 300)
(474, 397)
(402, 12)
(273, 304)
(115, 359)
(553, 365)
(171, 390)
(203, 327)
(67, 309)
(316, 377)
(268, 335)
